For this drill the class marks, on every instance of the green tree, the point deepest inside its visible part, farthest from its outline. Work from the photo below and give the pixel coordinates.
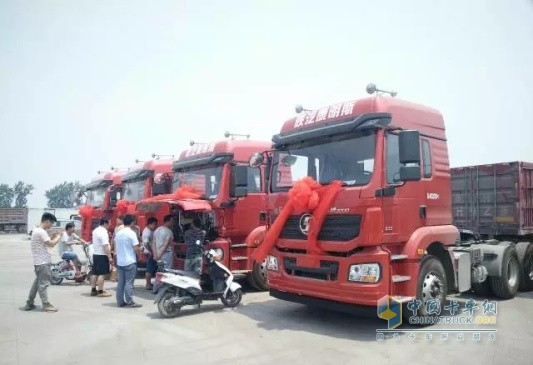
(6, 196)
(21, 191)
(64, 195)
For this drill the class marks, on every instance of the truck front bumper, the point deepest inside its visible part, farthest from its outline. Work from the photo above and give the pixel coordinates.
(295, 282)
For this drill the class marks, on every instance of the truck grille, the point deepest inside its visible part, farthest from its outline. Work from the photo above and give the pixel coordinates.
(337, 227)
(328, 270)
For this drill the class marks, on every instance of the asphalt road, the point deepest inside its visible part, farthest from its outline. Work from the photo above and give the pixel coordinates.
(262, 330)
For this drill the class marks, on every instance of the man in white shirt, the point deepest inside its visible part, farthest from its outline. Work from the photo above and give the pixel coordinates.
(68, 239)
(42, 260)
(101, 258)
(147, 240)
(127, 249)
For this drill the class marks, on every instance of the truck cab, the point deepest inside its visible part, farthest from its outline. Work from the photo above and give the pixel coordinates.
(148, 179)
(230, 200)
(367, 212)
(102, 195)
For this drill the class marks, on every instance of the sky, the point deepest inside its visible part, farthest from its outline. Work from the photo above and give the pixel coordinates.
(86, 85)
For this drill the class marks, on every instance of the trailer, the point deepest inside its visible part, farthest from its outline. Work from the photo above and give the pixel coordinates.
(494, 200)
(13, 220)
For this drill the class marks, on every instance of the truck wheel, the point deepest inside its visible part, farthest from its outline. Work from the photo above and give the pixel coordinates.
(482, 289)
(22, 228)
(258, 277)
(524, 251)
(506, 286)
(431, 285)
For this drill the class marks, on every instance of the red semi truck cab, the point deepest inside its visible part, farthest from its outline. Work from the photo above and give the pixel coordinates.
(367, 213)
(148, 179)
(102, 194)
(230, 201)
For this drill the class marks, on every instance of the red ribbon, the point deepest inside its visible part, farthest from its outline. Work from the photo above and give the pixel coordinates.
(183, 192)
(86, 211)
(122, 206)
(306, 196)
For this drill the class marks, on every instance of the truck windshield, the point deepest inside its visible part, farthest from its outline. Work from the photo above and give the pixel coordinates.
(95, 197)
(134, 190)
(349, 160)
(205, 180)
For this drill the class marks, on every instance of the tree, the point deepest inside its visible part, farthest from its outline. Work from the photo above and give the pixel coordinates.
(6, 196)
(64, 195)
(21, 191)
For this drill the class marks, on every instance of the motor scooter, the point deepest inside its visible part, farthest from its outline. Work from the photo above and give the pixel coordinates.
(62, 269)
(180, 288)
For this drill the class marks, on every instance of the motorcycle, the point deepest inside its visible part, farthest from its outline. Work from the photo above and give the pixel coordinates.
(181, 288)
(62, 269)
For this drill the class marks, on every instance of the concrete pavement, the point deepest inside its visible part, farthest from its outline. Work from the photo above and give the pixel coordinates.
(262, 330)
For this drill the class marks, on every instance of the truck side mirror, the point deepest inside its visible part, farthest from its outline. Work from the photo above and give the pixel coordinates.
(409, 153)
(410, 173)
(239, 181)
(409, 147)
(240, 192)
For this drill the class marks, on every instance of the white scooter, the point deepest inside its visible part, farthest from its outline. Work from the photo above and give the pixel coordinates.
(181, 288)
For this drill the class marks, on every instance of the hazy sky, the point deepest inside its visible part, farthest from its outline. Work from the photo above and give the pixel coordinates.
(85, 85)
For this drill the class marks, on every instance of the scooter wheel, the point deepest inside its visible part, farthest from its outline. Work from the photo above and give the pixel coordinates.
(54, 280)
(232, 299)
(166, 309)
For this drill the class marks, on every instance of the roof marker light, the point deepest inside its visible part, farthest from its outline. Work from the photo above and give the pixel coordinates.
(372, 88)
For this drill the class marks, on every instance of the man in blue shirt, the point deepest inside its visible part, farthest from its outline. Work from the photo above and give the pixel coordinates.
(127, 248)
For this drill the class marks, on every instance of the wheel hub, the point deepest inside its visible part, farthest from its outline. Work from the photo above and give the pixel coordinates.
(512, 272)
(431, 288)
(263, 270)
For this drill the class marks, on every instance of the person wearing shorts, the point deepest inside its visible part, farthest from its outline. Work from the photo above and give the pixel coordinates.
(101, 259)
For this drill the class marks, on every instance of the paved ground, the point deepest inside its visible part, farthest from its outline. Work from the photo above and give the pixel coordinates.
(262, 330)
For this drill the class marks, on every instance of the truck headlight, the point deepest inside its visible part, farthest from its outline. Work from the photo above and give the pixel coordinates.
(366, 273)
(272, 263)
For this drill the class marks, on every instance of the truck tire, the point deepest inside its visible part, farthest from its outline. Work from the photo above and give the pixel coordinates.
(482, 289)
(431, 284)
(524, 251)
(506, 285)
(258, 277)
(22, 228)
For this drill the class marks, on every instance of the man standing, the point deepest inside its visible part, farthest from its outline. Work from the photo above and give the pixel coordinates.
(162, 246)
(163, 241)
(119, 225)
(101, 258)
(68, 239)
(40, 244)
(127, 249)
(194, 239)
(147, 240)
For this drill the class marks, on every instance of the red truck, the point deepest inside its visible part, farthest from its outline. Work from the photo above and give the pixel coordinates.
(102, 195)
(151, 178)
(214, 182)
(372, 216)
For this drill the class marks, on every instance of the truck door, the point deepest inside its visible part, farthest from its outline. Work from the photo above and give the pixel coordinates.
(244, 216)
(400, 201)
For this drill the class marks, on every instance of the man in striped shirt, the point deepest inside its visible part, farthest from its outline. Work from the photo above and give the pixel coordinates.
(41, 244)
